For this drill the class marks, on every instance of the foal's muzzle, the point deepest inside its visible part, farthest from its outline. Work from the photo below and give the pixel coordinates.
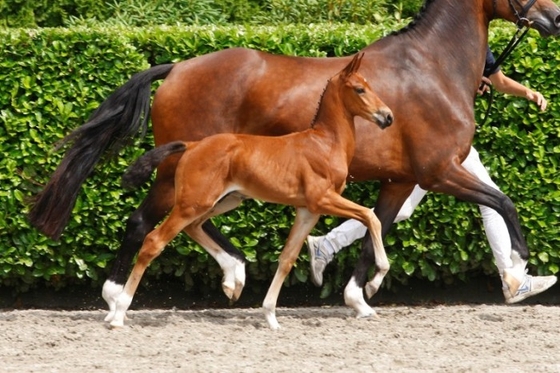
(383, 118)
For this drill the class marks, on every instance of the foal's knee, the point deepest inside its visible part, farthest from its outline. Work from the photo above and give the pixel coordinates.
(383, 268)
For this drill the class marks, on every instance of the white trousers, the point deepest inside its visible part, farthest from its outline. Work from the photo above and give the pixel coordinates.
(494, 225)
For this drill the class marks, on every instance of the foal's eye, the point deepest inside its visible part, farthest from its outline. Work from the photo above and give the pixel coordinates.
(360, 91)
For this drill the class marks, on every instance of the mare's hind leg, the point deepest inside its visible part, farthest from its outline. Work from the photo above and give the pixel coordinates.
(153, 246)
(304, 222)
(462, 184)
(153, 209)
(232, 262)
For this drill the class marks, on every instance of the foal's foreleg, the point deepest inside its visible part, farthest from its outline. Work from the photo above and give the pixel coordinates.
(304, 222)
(232, 265)
(334, 204)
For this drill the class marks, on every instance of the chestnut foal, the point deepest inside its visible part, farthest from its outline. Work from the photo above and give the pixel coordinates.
(305, 169)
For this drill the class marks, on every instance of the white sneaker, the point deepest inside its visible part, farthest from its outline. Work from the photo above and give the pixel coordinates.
(318, 258)
(531, 285)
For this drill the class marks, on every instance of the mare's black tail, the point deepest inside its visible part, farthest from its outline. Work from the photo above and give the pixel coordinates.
(112, 126)
(140, 171)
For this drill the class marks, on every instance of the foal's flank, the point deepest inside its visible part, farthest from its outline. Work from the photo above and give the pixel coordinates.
(305, 169)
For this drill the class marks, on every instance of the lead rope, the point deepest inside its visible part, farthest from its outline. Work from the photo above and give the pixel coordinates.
(522, 29)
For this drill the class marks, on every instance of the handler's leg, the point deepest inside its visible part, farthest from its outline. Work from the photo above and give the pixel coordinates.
(509, 265)
(323, 248)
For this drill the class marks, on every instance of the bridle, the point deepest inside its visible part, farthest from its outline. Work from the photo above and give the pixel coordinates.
(522, 15)
(523, 24)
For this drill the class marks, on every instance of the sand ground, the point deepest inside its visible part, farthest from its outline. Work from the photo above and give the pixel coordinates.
(440, 338)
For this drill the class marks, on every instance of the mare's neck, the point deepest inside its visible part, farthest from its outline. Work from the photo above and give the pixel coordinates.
(453, 31)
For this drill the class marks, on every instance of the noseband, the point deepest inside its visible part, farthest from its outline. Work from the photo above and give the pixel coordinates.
(521, 15)
(522, 23)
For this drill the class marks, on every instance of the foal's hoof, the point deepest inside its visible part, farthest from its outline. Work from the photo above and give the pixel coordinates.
(364, 312)
(115, 325)
(228, 290)
(237, 291)
(232, 292)
(370, 290)
(110, 316)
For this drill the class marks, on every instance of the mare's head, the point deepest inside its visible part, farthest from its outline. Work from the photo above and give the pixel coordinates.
(358, 97)
(542, 15)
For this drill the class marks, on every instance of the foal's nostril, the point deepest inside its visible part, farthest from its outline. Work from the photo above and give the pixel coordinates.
(383, 118)
(389, 119)
(557, 21)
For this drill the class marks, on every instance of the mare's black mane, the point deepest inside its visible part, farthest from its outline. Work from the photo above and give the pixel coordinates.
(416, 18)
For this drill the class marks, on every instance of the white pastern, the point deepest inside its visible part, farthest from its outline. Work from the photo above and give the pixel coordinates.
(373, 286)
(234, 275)
(110, 293)
(123, 302)
(354, 297)
(270, 316)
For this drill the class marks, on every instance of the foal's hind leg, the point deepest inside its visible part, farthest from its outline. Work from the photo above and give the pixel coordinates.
(232, 263)
(304, 222)
(153, 246)
(153, 209)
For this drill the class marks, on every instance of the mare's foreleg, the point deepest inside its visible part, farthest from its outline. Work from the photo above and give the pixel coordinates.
(152, 210)
(389, 202)
(230, 259)
(304, 222)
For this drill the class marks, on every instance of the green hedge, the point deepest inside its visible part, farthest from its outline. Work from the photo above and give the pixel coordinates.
(54, 78)
(57, 13)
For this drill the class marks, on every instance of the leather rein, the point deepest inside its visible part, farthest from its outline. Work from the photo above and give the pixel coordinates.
(523, 24)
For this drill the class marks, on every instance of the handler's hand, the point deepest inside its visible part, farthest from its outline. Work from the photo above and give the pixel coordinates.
(538, 98)
(484, 86)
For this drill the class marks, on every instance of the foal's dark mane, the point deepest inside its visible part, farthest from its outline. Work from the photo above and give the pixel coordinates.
(319, 104)
(416, 18)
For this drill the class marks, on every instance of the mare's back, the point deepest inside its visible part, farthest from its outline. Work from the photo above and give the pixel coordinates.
(242, 91)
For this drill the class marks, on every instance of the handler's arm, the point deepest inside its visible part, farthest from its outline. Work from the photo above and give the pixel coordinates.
(507, 85)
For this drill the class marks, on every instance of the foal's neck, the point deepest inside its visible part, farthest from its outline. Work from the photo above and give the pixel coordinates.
(335, 123)
(333, 118)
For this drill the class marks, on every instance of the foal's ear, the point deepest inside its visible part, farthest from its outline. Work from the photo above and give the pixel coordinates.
(354, 65)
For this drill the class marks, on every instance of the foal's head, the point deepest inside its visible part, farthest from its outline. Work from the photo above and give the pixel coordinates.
(359, 98)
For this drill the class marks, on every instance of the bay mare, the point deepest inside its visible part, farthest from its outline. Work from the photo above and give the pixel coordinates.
(427, 73)
(305, 169)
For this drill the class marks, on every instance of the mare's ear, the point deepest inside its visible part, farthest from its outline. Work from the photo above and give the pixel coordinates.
(354, 65)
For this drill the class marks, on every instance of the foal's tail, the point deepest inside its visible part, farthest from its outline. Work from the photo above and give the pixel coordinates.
(140, 171)
(111, 127)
